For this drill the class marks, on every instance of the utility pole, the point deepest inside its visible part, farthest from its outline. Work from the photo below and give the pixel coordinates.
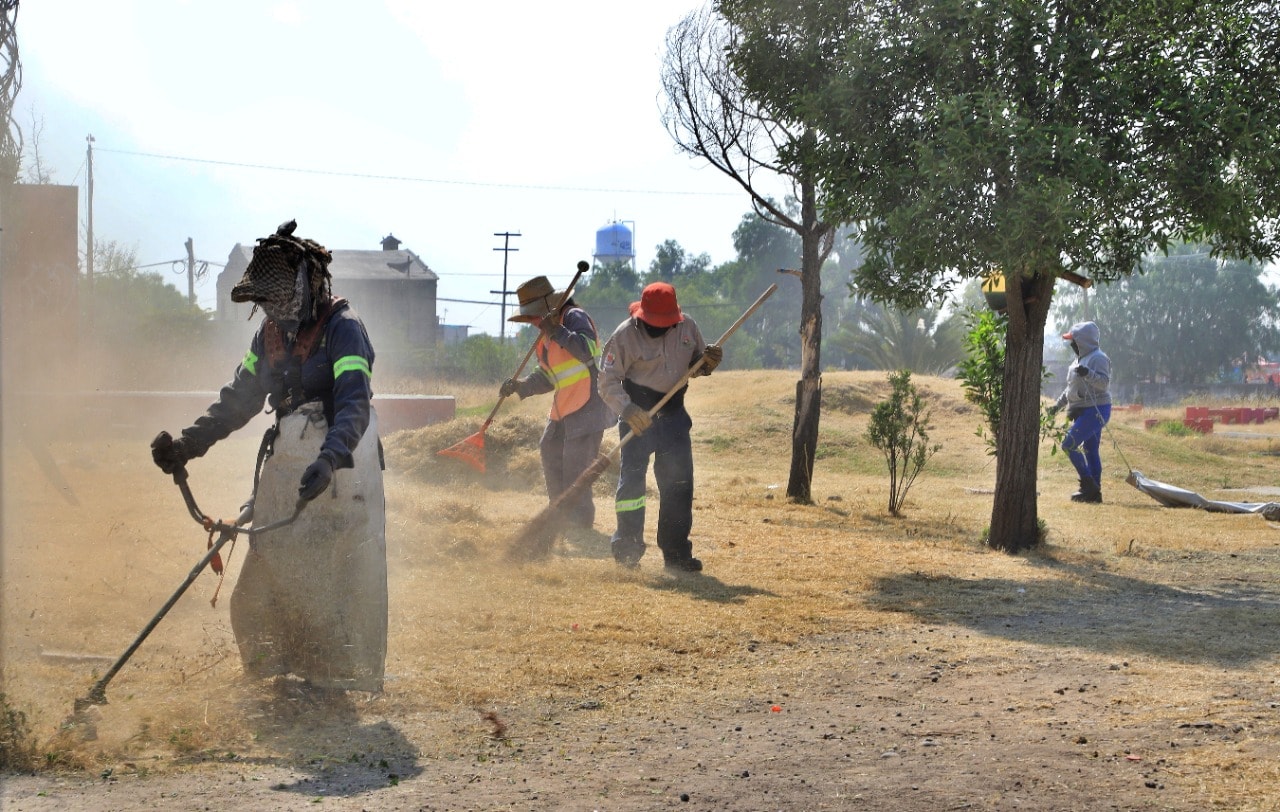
(506, 250)
(191, 270)
(88, 250)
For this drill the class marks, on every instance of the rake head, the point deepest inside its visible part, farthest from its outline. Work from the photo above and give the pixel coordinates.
(470, 451)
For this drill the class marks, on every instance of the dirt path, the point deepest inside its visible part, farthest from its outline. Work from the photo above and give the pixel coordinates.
(853, 730)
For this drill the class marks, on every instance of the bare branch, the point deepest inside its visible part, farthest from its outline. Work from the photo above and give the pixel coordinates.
(709, 116)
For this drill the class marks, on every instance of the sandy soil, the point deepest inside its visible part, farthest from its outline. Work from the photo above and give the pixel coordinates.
(933, 732)
(981, 694)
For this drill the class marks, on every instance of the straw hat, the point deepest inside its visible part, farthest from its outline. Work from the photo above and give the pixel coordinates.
(537, 297)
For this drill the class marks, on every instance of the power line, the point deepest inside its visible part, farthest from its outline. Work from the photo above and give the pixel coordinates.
(410, 178)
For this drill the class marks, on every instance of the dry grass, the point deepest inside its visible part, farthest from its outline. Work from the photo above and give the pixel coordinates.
(1177, 593)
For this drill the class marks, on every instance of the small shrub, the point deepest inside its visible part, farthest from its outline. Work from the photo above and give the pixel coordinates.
(1174, 428)
(899, 427)
(17, 746)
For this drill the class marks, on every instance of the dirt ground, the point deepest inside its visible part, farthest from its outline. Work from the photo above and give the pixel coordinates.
(930, 733)
(1090, 675)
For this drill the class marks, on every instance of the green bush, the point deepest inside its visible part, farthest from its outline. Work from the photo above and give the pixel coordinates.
(899, 427)
(17, 746)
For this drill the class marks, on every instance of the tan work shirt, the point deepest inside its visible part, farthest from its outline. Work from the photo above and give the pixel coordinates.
(655, 363)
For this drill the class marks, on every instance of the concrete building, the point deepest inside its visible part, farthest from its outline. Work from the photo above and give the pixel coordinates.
(392, 290)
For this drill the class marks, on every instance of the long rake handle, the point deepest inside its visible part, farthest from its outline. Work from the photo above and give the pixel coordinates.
(698, 365)
(602, 462)
(564, 297)
(684, 379)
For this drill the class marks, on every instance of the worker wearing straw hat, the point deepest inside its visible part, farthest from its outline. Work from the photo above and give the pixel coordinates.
(568, 351)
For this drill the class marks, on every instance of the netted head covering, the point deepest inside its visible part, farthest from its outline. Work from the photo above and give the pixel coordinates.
(287, 277)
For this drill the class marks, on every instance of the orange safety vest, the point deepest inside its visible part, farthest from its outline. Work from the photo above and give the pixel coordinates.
(571, 377)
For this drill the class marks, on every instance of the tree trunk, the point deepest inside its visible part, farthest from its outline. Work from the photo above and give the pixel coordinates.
(1014, 516)
(815, 246)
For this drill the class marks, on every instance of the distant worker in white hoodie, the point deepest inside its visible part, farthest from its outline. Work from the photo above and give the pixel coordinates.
(1088, 408)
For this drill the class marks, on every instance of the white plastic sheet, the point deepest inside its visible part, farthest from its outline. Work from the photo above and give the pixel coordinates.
(311, 599)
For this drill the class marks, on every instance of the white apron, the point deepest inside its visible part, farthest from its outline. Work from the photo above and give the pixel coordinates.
(311, 599)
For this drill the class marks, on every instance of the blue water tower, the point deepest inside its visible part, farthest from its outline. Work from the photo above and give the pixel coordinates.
(614, 244)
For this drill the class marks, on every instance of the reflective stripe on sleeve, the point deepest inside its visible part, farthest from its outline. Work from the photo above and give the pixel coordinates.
(351, 363)
(250, 362)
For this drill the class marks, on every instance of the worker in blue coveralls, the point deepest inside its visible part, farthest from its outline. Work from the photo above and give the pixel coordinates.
(311, 598)
(646, 356)
(1088, 403)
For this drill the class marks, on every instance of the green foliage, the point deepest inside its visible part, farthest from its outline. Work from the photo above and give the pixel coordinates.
(1027, 137)
(123, 302)
(899, 427)
(715, 296)
(672, 264)
(1014, 135)
(17, 745)
(481, 359)
(1185, 320)
(875, 336)
(1174, 428)
(981, 376)
(981, 373)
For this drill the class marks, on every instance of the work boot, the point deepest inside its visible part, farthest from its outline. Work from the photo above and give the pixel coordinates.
(1090, 493)
(689, 564)
(627, 551)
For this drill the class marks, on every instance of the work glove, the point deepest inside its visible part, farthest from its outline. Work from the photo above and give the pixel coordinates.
(549, 323)
(638, 419)
(171, 454)
(711, 358)
(509, 387)
(315, 479)
(1082, 371)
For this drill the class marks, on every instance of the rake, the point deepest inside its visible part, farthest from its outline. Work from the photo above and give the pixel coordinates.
(471, 449)
(537, 537)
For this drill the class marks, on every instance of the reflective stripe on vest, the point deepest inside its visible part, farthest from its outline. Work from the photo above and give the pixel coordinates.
(571, 377)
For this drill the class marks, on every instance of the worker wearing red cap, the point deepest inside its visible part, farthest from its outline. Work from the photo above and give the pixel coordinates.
(645, 358)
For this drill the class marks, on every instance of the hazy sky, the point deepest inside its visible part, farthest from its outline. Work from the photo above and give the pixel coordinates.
(440, 123)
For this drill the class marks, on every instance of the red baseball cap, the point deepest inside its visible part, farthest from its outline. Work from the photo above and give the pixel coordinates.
(657, 306)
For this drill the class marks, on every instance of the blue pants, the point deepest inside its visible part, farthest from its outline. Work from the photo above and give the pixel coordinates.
(563, 460)
(667, 441)
(1083, 439)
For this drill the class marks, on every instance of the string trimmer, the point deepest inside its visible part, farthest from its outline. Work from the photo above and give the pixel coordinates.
(471, 449)
(537, 537)
(97, 695)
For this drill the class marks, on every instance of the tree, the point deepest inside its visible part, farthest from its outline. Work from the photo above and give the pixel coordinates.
(1184, 319)
(1029, 138)
(919, 339)
(10, 84)
(608, 293)
(709, 115)
(671, 264)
